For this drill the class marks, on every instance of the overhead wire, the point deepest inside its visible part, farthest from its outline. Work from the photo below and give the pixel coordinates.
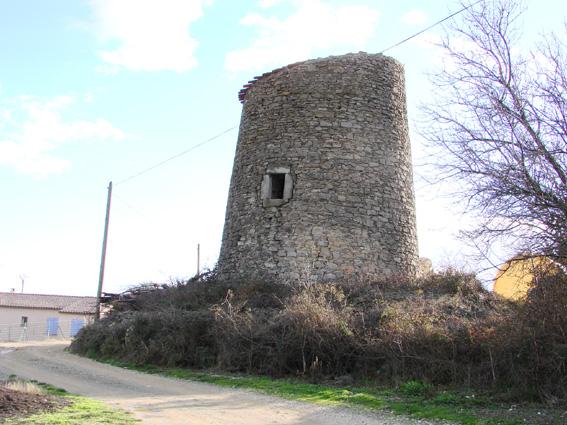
(430, 26)
(159, 164)
(204, 142)
(131, 207)
(171, 158)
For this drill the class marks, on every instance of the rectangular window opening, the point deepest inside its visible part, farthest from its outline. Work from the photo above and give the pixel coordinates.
(24, 321)
(277, 184)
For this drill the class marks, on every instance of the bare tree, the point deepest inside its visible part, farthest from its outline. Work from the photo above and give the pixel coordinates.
(499, 121)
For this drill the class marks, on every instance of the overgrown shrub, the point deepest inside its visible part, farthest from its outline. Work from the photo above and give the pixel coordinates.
(169, 337)
(443, 329)
(531, 346)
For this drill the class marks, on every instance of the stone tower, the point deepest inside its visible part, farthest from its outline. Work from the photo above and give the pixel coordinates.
(322, 180)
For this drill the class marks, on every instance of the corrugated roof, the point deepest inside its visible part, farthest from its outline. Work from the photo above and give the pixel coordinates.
(63, 303)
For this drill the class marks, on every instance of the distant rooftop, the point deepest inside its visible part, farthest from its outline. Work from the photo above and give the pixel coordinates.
(62, 303)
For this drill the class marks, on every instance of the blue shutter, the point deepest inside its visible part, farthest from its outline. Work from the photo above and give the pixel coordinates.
(52, 326)
(76, 326)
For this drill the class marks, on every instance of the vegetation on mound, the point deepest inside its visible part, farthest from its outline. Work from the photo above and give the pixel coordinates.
(444, 329)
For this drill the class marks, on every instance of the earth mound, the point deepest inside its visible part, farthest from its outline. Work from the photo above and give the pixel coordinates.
(18, 403)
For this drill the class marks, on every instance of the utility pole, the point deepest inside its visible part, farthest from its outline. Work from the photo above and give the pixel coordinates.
(22, 279)
(103, 256)
(198, 259)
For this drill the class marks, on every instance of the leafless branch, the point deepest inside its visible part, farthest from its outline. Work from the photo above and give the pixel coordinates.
(499, 126)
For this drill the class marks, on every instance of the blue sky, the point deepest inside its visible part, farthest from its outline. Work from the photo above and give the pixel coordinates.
(93, 91)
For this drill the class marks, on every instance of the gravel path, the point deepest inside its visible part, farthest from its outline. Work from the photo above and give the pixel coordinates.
(165, 401)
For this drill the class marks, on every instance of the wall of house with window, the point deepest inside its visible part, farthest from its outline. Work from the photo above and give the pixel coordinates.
(19, 323)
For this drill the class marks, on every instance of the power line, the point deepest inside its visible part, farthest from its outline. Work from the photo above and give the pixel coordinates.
(171, 158)
(134, 209)
(159, 164)
(431, 26)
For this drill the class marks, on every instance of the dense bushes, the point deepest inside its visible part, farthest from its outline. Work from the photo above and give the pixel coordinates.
(443, 329)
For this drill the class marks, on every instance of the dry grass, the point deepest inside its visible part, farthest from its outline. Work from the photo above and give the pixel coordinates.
(24, 387)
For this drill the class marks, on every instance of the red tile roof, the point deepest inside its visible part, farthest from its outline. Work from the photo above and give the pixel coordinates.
(62, 303)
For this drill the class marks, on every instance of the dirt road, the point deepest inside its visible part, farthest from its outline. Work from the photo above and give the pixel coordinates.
(165, 401)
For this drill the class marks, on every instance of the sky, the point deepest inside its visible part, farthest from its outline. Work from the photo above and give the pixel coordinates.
(93, 91)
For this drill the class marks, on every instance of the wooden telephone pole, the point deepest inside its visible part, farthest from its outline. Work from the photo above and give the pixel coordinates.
(103, 256)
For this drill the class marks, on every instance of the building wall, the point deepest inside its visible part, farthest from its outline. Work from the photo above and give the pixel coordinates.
(515, 277)
(37, 325)
(337, 128)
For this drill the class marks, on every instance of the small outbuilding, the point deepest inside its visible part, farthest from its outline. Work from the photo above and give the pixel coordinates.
(38, 316)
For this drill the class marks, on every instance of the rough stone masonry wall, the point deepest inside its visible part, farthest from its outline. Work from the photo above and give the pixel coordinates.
(339, 126)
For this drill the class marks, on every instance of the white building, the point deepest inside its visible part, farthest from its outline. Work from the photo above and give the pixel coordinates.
(36, 316)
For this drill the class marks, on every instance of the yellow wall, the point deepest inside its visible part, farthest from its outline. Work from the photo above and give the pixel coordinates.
(515, 276)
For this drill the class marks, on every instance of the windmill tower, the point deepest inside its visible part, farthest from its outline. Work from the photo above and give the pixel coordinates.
(322, 179)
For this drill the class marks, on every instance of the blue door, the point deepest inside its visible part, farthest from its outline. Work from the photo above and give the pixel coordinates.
(52, 326)
(76, 326)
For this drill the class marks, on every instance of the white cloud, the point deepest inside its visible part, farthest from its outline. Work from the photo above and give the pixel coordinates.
(31, 129)
(150, 35)
(414, 17)
(313, 25)
(265, 4)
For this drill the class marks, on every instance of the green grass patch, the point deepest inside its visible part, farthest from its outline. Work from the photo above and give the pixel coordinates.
(80, 411)
(414, 399)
